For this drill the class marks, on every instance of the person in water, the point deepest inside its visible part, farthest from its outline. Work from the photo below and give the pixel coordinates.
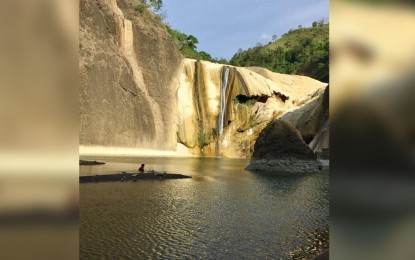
(141, 169)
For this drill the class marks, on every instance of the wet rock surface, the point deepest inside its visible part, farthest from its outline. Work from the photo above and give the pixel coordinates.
(222, 109)
(131, 176)
(86, 162)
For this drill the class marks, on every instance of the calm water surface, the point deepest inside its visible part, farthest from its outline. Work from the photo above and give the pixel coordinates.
(223, 212)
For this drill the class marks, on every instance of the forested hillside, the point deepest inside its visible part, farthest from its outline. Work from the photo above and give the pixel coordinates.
(303, 51)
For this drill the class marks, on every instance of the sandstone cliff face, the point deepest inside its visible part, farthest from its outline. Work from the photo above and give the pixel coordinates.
(222, 109)
(311, 117)
(128, 73)
(138, 92)
(312, 120)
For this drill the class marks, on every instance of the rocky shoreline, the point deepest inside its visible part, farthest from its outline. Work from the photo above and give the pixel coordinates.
(285, 165)
(131, 176)
(85, 162)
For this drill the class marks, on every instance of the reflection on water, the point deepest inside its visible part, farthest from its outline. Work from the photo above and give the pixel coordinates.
(222, 212)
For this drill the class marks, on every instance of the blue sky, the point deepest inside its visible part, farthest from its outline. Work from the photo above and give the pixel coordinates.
(224, 26)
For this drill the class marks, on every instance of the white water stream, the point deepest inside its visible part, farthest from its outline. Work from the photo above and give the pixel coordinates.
(223, 101)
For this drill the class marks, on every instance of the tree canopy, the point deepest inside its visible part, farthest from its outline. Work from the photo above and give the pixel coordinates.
(303, 51)
(155, 4)
(188, 46)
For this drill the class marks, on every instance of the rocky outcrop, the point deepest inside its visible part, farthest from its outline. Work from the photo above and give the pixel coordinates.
(311, 116)
(280, 148)
(138, 94)
(131, 177)
(320, 143)
(86, 162)
(128, 73)
(222, 109)
(312, 120)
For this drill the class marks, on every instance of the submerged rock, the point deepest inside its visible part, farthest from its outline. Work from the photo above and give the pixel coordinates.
(280, 148)
(86, 162)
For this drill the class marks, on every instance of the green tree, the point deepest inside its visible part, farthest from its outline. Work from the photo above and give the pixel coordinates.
(191, 41)
(321, 22)
(204, 56)
(187, 45)
(302, 51)
(222, 61)
(156, 5)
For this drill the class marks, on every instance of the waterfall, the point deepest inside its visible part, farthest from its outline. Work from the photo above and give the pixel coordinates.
(223, 100)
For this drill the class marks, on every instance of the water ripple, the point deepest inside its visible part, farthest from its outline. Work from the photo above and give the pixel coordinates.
(224, 214)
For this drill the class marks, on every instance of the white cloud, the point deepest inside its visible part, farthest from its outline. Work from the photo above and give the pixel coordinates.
(265, 36)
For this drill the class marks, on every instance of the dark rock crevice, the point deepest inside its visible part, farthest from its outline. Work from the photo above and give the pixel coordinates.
(250, 100)
(127, 90)
(281, 97)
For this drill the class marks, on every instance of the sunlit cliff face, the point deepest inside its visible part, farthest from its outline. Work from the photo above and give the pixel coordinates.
(222, 109)
(128, 73)
(137, 92)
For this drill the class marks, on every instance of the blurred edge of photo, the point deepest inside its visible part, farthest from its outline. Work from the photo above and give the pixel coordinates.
(372, 130)
(372, 105)
(39, 129)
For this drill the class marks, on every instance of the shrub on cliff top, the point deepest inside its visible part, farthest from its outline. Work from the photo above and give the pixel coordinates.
(156, 5)
(140, 7)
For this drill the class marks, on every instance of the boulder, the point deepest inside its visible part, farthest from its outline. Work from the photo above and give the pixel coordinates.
(281, 148)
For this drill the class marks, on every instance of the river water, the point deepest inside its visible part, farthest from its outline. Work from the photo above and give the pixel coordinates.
(222, 212)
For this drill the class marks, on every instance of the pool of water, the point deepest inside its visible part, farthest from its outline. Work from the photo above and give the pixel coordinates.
(222, 212)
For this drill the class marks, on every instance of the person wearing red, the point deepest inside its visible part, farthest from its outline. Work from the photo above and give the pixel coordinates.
(141, 169)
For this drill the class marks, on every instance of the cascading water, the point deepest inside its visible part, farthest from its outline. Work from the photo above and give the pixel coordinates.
(225, 77)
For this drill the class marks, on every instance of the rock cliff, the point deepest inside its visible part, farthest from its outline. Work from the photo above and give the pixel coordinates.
(128, 72)
(312, 120)
(309, 118)
(138, 92)
(222, 109)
